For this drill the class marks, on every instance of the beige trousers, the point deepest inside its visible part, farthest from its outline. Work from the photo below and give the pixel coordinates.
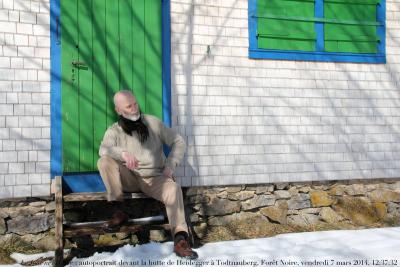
(119, 179)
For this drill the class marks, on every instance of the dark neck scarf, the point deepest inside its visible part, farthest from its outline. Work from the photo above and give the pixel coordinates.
(137, 126)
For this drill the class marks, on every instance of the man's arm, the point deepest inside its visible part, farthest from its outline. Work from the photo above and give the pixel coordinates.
(177, 145)
(108, 146)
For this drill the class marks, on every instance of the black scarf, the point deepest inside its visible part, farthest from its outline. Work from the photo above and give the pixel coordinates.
(137, 126)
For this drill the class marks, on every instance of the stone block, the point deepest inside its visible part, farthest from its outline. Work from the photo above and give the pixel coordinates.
(300, 201)
(223, 220)
(242, 195)
(259, 201)
(30, 224)
(320, 199)
(3, 227)
(337, 190)
(381, 210)
(384, 195)
(329, 215)
(277, 213)
(303, 220)
(221, 207)
(282, 194)
(355, 189)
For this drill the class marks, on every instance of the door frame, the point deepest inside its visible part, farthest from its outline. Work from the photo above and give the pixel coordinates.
(55, 81)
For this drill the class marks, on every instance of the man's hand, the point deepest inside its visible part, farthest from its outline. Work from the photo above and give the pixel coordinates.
(168, 172)
(130, 160)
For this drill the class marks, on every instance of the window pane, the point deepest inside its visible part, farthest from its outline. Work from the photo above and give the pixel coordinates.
(352, 35)
(283, 25)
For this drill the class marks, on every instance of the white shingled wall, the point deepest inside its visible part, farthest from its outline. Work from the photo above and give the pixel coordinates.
(24, 98)
(245, 121)
(260, 121)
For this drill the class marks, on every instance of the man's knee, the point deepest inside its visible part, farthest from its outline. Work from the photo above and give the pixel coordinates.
(106, 162)
(173, 193)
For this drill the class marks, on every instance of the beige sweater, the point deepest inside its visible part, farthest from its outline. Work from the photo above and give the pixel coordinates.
(150, 154)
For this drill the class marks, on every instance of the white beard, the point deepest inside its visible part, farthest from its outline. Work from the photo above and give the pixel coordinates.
(134, 117)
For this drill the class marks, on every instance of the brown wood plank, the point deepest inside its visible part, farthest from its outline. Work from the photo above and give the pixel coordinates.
(74, 197)
(98, 230)
(59, 253)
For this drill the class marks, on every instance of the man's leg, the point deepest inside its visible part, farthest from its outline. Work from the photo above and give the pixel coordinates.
(169, 193)
(117, 178)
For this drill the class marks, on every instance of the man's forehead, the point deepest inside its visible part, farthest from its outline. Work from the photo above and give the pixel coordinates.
(124, 98)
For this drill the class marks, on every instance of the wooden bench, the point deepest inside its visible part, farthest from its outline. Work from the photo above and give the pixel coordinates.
(65, 229)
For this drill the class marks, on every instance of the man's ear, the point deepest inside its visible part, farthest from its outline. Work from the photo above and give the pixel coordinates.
(117, 110)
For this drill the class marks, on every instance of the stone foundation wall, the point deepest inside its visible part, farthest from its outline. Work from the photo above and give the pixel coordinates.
(329, 205)
(335, 205)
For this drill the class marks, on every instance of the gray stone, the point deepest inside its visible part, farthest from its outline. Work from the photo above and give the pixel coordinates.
(393, 207)
(47, 243)
(281, 186)
(200, 230)
(355, 189)
(37, 204)
(199, 199)
(395, 186)
(223, 220)
(30, 224)
(3, 228)
(213, 190)
(337, 190)
(24, 211)
(384, 195)
(329, 215)
(192, 191)
(223, 194)
(158, 235)
(301, 201)
(3, 213)
(282, 194)
(261, 189)
(243, 195)
(277, 213)
(234, 189)
(258, 201)
(219, 206)
(32, 238)
(51, 206)
(194, 217)
(303, 220)
(304, 189)
(293, 191)
(310, 210)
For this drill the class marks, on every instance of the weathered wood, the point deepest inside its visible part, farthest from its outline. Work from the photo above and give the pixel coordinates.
(76, 197)
(99, 230)
(137, 221)
(59, 253)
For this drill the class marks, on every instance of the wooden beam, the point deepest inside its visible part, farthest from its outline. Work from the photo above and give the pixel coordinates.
(99, 230)
(76, 197)
(59, 253)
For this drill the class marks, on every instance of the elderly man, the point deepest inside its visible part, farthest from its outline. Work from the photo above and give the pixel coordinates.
(132, 159)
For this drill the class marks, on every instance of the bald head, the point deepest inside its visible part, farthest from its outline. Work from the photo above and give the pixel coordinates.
(126, 105)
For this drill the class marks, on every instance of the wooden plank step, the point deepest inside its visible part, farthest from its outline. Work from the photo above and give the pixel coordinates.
(137, 221)
(75, 197)
(98, 230)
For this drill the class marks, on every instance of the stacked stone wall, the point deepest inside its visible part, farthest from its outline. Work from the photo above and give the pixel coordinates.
(307, 206)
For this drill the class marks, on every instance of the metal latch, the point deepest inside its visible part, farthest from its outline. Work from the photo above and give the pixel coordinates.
(79, 65)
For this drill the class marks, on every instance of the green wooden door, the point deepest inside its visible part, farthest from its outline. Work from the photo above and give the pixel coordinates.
(106, 45)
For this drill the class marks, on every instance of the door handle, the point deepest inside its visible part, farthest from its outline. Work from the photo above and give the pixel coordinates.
(79, 65)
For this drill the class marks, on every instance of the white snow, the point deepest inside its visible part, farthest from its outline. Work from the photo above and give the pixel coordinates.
(369, 247)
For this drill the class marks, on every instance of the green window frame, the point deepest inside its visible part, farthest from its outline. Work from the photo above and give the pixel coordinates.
(318, 30)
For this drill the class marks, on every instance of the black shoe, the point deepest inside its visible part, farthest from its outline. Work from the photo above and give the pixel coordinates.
(182, 248)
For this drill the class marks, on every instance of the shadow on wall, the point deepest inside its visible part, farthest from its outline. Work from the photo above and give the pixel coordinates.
(290, 120)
